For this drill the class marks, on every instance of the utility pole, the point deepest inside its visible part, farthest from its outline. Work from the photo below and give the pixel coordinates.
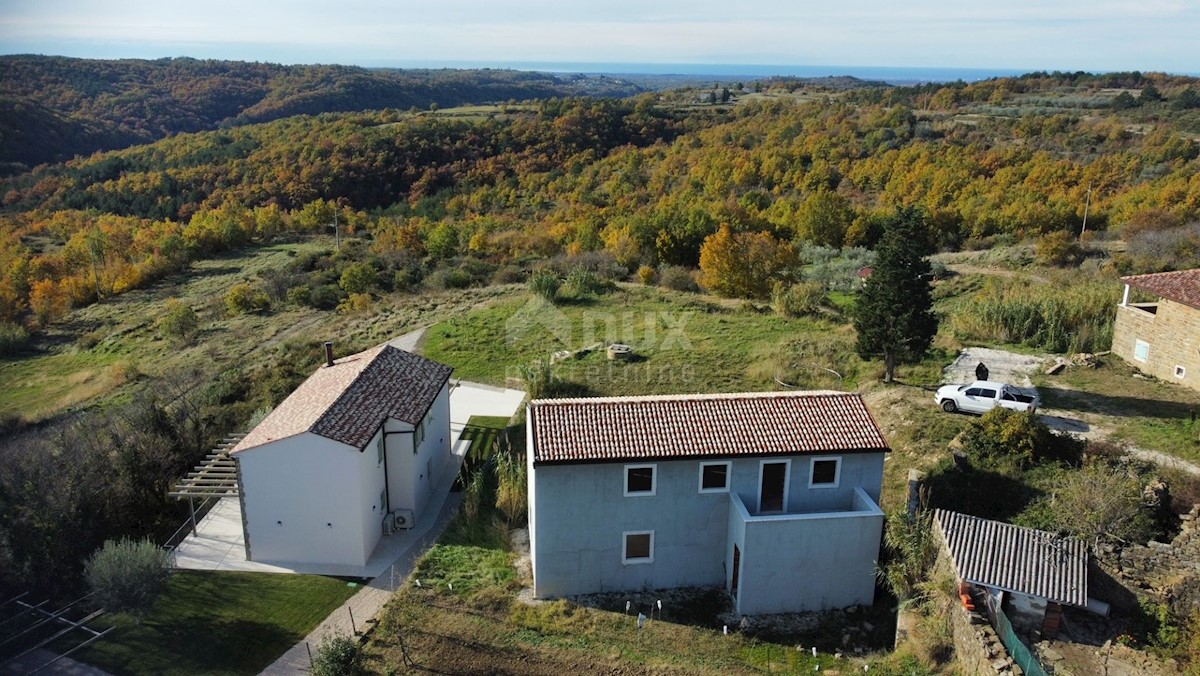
(1086, 205)
(337, 233)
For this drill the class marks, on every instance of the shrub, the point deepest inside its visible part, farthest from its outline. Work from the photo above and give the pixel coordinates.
(355, 303)
(911, 550)
(539, 379)
(128, 575)
(545, 283)
(677, 278)
(406, 278)
(647, 275)
(179, 320)
(798, 299)
(13, 338)
(359, 278)
(244, 299)
(338, 655)
(511, 496)
(48, 301)
(1103, 502)
(476, 485)
(455, 278)
(325, 297)
(582, 282)
(1162, 250)
(509, 274)
(1059, 249)
(1008, 439)
(299, 295)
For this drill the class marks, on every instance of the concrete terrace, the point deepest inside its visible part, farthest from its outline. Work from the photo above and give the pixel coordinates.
(218, 543)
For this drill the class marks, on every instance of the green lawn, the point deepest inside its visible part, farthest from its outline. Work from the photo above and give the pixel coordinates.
(1145, 412)
(682, 342)
(218, 623)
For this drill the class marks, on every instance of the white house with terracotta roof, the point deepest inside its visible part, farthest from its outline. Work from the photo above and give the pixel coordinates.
(355, 448)
(1162, 338)
(772, 495)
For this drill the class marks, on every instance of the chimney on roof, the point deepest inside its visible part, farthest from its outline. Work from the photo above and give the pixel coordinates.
(328, 353)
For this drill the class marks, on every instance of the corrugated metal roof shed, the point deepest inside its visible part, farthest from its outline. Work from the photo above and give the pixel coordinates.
(1014, 558)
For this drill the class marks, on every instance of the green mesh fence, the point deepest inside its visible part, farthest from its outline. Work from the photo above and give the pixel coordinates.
(1017, 650)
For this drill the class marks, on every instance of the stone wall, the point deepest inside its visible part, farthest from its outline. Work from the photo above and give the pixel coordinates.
(976, 646)
(1173, 333)
(1170, 571)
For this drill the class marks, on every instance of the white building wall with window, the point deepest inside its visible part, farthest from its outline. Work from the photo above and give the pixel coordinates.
(583, 514)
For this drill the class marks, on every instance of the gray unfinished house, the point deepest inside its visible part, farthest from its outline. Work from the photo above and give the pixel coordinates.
(773, 496)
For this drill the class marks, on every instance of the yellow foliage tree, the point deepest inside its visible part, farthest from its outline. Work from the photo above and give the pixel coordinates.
(48, 300)
(744, 264)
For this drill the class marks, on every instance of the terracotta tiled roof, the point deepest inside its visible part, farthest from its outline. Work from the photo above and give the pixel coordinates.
(1014, 558)
(347, 402)
(1181, 287)
(701, 425)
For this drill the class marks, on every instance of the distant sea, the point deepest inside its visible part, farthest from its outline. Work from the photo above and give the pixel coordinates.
(725, 71)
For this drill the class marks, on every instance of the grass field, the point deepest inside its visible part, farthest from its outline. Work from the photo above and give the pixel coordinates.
(218, 623)
(1145, 412)
(466, 618)
(100, 351)
(682, 343)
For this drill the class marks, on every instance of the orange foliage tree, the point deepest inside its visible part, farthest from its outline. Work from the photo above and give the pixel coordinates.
(744, 264)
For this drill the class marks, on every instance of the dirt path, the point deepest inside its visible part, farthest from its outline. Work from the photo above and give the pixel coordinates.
(1015, 368)
(1003, 366)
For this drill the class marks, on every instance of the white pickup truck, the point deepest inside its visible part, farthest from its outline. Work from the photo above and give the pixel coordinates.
(982, 396)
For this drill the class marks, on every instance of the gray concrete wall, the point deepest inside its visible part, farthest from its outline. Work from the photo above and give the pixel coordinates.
(579, 515)
(809, 562)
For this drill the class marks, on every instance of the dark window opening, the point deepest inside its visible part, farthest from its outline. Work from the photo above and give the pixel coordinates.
(824, 472)
(715, 477)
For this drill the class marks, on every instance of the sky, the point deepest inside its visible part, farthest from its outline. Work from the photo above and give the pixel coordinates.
(1091, 35)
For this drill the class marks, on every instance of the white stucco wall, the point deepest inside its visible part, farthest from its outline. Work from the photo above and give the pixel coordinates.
(309, 499)
(410, 480)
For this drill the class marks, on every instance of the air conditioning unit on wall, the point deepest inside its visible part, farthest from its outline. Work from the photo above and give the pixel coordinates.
(389, 524)
(404, 519)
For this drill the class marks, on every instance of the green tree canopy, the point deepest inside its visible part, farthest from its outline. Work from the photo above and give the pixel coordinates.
(894, 316)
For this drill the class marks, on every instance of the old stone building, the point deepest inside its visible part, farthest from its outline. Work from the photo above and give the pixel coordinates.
(1162, 339)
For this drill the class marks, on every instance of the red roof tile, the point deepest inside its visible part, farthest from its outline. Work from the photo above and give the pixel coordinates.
(347, 402)
(701, 425)
(1181, 287)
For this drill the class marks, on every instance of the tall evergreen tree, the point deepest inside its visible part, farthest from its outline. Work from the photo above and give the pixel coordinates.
(894, 316)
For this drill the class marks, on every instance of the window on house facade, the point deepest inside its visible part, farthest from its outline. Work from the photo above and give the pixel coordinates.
(640, 479)
(379, 448)
(1141, 351)
(1180, 372)
(825, 473)
(418, 435)
(639, 547)
(383, 500)
(714, 477)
